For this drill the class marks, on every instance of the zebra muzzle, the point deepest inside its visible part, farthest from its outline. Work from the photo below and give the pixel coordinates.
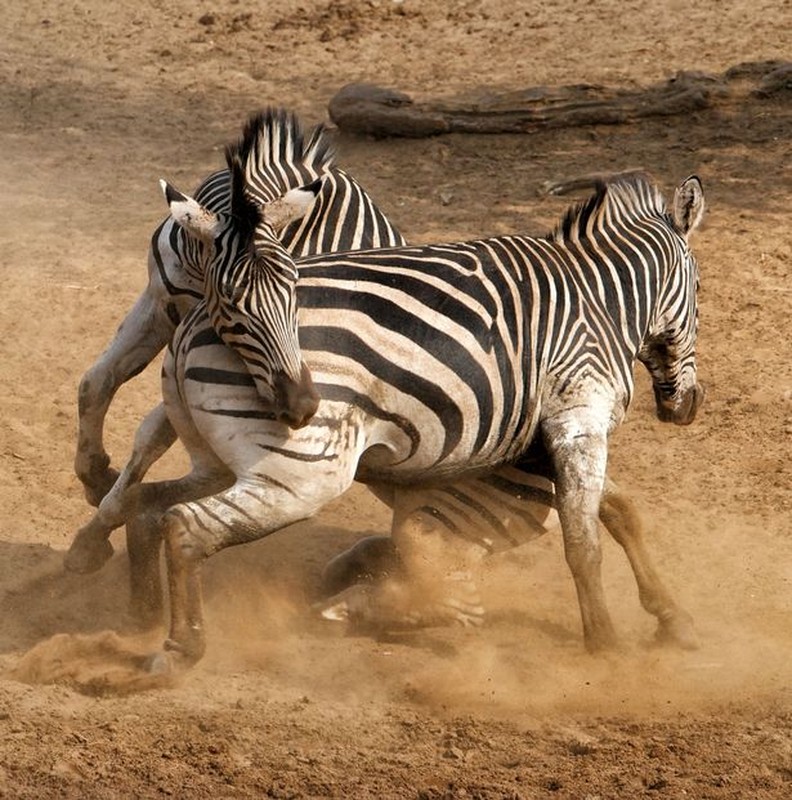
(296, 401)
(680, 412)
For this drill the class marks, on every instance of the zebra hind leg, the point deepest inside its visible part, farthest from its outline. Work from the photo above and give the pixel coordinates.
(422, 576)
(619, 516)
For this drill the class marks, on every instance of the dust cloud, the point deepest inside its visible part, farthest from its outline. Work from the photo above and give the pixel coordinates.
(527, 661)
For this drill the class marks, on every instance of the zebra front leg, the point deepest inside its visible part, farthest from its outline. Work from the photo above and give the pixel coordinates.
(579, 458)
(91, 548)
(144, 536)
(144, 543)
(620, 518)
(249, 510)
(186, 642)
(144, 332)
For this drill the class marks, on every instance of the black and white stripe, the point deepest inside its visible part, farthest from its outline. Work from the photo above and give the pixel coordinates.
(342, 217)
(437, 360)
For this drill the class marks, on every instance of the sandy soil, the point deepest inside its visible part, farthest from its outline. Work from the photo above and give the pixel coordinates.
(95, 106)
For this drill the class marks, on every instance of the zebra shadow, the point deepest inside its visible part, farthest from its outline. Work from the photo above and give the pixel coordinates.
(39, 598)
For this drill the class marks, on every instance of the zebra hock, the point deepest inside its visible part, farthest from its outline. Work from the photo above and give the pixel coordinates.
(509, 507)
(528, 342)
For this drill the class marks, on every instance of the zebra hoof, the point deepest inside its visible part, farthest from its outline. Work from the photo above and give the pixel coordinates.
(159, 664)
(343, 606)
(87, 556)
(678, 632)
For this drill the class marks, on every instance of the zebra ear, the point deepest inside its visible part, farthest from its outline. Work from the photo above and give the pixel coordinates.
(688, 205)
(190, 214)
(294, 205)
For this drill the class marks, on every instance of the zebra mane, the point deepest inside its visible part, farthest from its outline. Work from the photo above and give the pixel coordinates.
(276, 155)
(245, 212)
(635, 192)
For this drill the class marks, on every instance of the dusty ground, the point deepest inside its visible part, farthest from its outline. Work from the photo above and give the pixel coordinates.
(95, 106)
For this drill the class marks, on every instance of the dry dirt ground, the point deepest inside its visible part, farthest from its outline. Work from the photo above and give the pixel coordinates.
(98, 101)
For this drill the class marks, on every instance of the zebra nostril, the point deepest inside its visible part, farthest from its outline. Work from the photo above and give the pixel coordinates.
(296, 401)
(296, 420)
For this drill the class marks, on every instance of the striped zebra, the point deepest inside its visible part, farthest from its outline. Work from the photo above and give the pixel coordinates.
(432, 363)
(510, 507)
(343, 217)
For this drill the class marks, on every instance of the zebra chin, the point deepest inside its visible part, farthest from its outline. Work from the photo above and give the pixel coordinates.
(296, 402)
(682, 411)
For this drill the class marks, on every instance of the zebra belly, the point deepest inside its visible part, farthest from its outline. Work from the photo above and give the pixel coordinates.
(366, 431)
(496, 510)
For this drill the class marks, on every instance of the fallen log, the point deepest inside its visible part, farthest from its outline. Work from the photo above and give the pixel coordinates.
(376, 111)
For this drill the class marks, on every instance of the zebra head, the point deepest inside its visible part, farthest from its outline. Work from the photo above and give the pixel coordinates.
(275, 173)
(250, 284)
(669, 349)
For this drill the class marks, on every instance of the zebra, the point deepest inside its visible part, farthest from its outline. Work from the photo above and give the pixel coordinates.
(434, 362)
(343, 217)
(373, 588)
